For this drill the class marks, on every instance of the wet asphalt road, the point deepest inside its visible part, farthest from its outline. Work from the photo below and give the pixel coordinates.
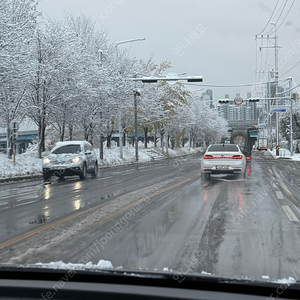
(161, 215)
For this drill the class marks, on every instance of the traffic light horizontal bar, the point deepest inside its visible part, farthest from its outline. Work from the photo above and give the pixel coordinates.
(155, 79)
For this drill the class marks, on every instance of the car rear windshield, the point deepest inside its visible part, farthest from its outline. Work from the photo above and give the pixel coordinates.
(67, 149)
(222, 148)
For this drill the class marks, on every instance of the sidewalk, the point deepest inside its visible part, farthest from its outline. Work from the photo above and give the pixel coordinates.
(284, 154)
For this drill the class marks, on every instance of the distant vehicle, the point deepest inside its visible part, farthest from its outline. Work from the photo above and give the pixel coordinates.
(223, 159)
(244, 140)
(70, 158)
(262, 144)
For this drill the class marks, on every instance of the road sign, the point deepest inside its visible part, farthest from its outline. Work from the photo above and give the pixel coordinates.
(238, 100)
(262, 125)
(278, 109)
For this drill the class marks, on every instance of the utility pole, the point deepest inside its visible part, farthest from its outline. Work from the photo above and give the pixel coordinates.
(276, 81)
(136, 126)
(276, 47)
(291, 117)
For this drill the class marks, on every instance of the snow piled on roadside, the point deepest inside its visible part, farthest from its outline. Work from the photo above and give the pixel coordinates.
(284, 153)
(102, 264)
(27, 164)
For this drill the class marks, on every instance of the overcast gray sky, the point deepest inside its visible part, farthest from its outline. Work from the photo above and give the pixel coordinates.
(215, 39)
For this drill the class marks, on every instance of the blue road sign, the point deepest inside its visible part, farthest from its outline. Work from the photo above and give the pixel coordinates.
(278, 109)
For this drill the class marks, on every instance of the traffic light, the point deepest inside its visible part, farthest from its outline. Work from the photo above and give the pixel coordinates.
(223, 101)
(253, 100)
(14, 135)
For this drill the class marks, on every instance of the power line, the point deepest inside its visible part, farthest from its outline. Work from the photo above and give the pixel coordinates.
(284, 17)
(269, 18)
(291, 68)
(282, 9)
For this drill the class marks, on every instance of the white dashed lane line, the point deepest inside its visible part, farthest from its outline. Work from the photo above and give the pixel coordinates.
(279, 195)
(292, 217)
(104, 178)
(297, 208)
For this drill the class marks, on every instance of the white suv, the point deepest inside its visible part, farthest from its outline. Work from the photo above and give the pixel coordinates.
(70, 158)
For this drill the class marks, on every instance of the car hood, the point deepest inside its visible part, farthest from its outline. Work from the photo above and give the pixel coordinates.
(64, 157)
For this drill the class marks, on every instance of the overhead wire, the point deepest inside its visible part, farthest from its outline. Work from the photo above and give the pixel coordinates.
(291, 68)
(269, 18)
(280, 14)
(284, 17)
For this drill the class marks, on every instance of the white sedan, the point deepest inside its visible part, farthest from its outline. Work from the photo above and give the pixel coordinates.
(223, 159)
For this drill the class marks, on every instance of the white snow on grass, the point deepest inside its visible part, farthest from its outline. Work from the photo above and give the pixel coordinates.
(27, 164)
(102, 264)
(111, 157)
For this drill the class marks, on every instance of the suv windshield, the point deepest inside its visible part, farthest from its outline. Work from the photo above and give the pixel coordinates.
(222, 148)
(68, 149)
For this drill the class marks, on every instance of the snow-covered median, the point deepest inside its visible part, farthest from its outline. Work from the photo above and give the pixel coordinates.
(28, 164)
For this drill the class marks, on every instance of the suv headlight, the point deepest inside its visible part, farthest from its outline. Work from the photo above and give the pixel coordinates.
(47, 160)
(76, 159)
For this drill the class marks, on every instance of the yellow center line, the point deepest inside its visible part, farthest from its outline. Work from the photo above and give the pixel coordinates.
(28, 234)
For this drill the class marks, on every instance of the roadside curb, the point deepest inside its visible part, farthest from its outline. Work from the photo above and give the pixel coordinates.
(20, 178)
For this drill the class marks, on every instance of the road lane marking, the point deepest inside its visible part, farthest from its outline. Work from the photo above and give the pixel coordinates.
(279, 195)
(289, 213)
(104, 178)
(75, 215)
(297, 208)
(21, 204)
(118, 181)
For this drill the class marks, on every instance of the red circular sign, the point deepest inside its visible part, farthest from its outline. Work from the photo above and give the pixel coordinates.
(238, 100)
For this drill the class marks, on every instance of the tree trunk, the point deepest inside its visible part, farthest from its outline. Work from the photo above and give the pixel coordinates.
(41, 138)
(71, 132)
(172, 143)
(109, 141)
(124, 139)
(62, 132)
(145, 136)
(154, 137)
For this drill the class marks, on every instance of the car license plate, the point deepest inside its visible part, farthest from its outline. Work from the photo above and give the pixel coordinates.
(222, 167)
(58, 168)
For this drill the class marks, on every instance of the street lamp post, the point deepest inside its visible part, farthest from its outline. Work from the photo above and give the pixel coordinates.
(136, 93)
(120, 113)
(101, 117)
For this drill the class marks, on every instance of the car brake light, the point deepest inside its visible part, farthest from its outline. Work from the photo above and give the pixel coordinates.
(237, 156)
(206, 156)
